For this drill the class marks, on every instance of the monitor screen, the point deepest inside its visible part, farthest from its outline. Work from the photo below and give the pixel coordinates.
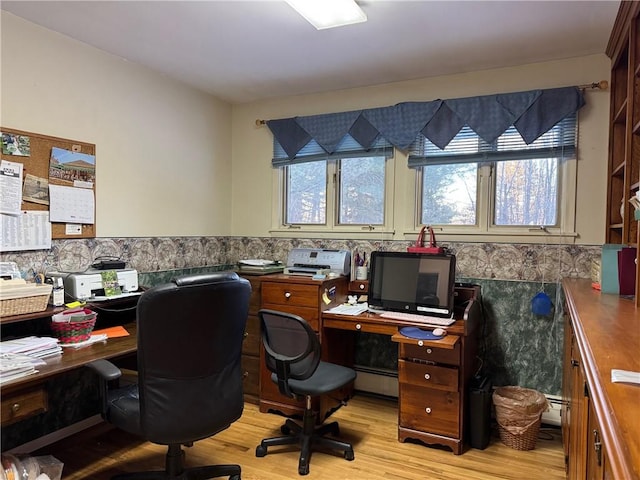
(412, 282)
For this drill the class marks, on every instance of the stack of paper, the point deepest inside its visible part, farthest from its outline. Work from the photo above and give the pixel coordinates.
(35, 347)
(346, 309)
(20, 357)
(15, 365)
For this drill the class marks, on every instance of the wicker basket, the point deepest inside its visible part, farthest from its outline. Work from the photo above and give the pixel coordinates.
(73, 331)
(519, 415)
(19, 300)
(522, 441)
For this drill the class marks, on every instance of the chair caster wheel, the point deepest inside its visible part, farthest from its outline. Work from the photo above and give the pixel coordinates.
(303, 469)
(285, 429)
(348, 455)
(261, 451)
(234, 477)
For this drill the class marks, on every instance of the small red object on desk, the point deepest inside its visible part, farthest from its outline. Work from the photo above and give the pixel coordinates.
(420, 248)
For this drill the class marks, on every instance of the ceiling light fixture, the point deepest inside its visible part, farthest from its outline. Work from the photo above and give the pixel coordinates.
(329, 13)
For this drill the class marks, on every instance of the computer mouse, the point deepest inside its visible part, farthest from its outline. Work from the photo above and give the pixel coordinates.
(439, 332)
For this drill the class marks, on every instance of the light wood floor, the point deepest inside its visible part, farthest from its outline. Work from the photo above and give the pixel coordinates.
(370, 424)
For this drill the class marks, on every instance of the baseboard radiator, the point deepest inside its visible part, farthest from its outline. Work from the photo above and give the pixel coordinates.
(378, 381)
(385, 382)
(552, 417)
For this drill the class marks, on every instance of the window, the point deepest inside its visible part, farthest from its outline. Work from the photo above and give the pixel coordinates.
(505, 187)
(348, 191)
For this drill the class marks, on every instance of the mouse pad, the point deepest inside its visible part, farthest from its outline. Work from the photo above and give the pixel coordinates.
(415, 332)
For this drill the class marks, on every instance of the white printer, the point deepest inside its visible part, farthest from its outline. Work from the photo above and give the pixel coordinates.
(315, 261)
(88, 285)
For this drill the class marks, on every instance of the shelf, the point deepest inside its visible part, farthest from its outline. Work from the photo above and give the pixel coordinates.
(618, 171)
(621, 115)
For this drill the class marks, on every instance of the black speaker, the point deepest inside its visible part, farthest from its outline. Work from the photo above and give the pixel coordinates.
(480, 412)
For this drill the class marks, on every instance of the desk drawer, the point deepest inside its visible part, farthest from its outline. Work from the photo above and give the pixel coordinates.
(357, 325)
(251, 375)
(252, 340)
(22, 405)
(431, 354)
(290, 294)
(311, 315)
(430, 410)
(430, 376)
(255, 298)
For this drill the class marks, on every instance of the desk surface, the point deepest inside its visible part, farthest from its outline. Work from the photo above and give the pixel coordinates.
(607, 330)
(374, 323)
(72, 358)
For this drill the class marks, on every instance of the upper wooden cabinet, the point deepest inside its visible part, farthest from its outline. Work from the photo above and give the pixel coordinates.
(624, 135)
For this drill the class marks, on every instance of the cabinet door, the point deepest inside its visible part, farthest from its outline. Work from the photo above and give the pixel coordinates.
(579, 404)
(595, 448)
(565, 412)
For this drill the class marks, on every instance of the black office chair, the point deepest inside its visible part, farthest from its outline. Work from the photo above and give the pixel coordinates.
(190, 334)
(292, 352)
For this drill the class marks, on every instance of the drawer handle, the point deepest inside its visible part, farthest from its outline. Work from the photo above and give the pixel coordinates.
(429, 350)
(358, 326)
(361, 286)
(287, 294)
(428, 410)
(246, 334)
(15, 408)
(420, 343)
(427, 376)
(245, 374)
(597, 446)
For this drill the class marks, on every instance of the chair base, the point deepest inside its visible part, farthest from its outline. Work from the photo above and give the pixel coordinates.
(307, 436)
(175, 471)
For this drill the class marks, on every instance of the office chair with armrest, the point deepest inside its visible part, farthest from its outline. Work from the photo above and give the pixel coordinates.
(190, 334)
(292, 353)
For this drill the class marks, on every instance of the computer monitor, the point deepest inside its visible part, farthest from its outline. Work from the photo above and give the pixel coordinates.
(412, 282)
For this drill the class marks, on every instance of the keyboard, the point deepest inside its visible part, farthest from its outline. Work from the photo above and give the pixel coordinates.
(414, 317)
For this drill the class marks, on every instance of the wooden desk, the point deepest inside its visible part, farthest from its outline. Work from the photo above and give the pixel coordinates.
(25, 397)
(433, 375)
(601, 430)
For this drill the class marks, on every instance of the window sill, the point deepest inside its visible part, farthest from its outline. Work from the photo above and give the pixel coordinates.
(356, 233)
(507, 236)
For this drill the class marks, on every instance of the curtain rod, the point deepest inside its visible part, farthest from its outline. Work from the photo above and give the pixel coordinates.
(601, 85)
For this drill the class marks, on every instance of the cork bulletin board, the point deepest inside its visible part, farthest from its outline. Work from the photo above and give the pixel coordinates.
(37, 165)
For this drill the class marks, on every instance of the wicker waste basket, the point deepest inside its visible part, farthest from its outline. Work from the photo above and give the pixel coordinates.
(519, 415)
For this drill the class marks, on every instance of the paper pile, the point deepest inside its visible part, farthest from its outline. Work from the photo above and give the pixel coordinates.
(20, 357)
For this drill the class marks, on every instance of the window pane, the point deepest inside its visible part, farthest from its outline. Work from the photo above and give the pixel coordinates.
(449, 194)
(306, 193)
(527, 192)
(362, 191)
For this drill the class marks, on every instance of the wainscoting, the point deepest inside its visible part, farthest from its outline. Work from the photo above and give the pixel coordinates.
(517, 347)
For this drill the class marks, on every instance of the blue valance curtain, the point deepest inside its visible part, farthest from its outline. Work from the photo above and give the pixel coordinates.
(531, 113)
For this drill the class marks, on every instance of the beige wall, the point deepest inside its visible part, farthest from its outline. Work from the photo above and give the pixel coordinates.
(252, 145)
(163, 150)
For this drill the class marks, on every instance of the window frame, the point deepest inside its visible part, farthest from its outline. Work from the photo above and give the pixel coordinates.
(485, 229)
(332, 228)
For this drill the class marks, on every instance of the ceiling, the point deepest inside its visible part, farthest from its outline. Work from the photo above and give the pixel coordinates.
(243, 51)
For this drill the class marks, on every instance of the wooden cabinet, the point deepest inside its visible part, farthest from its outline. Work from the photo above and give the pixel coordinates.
(252, 343)
(307, 298)
(575, 409)
(431, 399)
(23, 404)
(624, 129)
(601, 433)
(596, 454)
